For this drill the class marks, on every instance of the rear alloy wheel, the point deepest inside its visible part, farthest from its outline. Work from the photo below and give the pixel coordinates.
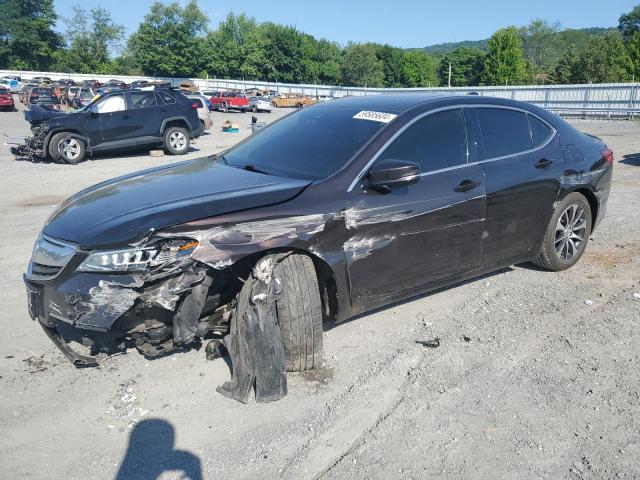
(176, 140)
(66, 148)
(567, 234)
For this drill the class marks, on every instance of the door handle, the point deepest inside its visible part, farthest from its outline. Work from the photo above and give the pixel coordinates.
(544, 163)
(466, 185)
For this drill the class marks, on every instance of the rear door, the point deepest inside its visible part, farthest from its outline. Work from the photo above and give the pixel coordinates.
(422, 233)
(523, 167)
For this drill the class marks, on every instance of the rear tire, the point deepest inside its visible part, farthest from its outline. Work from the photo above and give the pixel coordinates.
(567, 234)
(176, 140)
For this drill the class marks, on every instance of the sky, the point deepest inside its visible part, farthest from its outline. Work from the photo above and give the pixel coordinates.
(406, 24)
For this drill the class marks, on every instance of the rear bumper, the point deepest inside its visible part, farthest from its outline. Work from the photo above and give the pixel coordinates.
(198, 130)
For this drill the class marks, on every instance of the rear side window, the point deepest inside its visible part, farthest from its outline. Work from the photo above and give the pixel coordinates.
(142, 99)
(505, 132)
(540, 132)
(435, 142)
(166, 98)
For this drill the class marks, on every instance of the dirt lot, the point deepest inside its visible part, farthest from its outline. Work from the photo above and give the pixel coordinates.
(537, 374)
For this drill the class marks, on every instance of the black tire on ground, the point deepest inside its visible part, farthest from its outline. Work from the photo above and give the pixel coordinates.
(300, 313)
(225, 107)
(549, 258)
(255, 109)
(176, 140)
(59, 154)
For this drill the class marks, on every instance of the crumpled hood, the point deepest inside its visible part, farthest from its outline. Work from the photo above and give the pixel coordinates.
(124, 210)
(37, 114)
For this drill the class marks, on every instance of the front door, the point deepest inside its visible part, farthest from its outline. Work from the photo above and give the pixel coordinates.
(115, 121)
(423, 233)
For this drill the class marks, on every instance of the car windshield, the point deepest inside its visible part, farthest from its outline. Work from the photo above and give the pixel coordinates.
(43, 92)
(312, 143)
(3, 91)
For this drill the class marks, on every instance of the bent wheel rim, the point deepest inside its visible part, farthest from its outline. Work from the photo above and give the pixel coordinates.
(178, 140)
(70, 147)
(571, 233)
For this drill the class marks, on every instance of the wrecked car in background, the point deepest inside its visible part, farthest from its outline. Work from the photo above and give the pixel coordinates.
(114, 121)
(6, 100)
(292, 100)
(336, 209)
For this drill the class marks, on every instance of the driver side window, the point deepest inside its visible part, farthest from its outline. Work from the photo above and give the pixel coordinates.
(112, 104)
(436, 141)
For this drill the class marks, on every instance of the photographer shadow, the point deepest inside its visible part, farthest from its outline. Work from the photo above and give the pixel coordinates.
(151, 452)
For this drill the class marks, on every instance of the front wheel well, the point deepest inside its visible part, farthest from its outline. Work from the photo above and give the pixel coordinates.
(241, 270)
(50, 135)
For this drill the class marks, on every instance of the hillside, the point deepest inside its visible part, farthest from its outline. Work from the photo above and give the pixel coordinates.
(578, 36)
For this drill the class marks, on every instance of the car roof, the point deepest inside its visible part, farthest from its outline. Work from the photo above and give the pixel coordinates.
(401, 102)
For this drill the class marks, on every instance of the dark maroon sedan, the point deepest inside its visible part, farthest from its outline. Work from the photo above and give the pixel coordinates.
(341, 208)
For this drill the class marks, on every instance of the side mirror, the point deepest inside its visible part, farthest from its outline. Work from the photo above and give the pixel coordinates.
(94, 111)
(391, 173)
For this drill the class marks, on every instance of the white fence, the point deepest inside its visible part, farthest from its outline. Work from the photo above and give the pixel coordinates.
(615, 99)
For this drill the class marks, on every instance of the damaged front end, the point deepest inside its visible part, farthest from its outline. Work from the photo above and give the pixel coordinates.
(154, 296)
(33, 147)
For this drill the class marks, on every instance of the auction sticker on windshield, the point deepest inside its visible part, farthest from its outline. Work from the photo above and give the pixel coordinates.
(375, 116)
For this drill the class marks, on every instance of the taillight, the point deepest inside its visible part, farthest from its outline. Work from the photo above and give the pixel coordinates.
(194, 105)
(608, 154)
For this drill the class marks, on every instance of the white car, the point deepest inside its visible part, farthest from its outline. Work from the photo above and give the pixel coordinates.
(259, 104)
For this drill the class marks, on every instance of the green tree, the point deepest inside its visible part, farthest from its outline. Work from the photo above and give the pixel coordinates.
(27, 38)
(466, 67)
(605, 60)
(328, 58)
(236, 48)
(540, 47)
(361, 66)
(169, 41)
(566, 70)
(504, 63)
(392, 59)
(419, 69)
(633, 49)
(629, 23)
(89, 45)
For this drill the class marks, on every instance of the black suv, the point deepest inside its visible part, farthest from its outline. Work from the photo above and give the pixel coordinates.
(116, 121)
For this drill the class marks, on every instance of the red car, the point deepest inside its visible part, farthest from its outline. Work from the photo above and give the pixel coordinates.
(231, 100)
(6, 100)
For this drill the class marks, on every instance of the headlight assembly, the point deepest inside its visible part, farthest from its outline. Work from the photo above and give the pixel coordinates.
(138, 259)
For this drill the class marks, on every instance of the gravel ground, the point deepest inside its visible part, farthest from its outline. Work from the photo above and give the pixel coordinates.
(536, 376)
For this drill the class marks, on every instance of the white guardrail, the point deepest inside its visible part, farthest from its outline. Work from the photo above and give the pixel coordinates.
(601, 100)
